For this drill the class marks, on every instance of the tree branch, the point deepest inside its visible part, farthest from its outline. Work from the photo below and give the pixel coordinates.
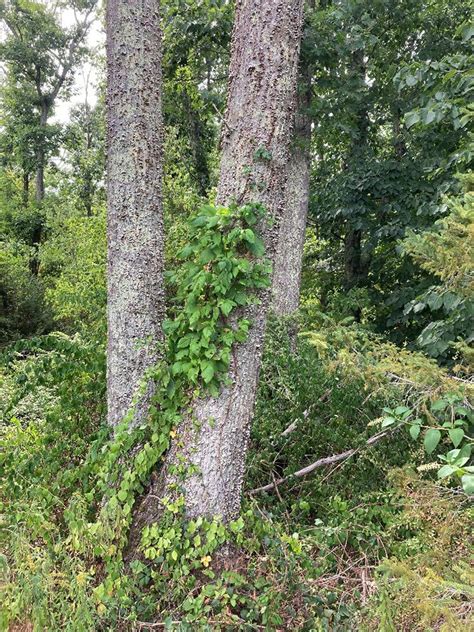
(328, 460)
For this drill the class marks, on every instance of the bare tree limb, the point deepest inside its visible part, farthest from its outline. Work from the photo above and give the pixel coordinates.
(327, 460)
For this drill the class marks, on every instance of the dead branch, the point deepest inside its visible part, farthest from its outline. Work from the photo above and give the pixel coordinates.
(328, 460)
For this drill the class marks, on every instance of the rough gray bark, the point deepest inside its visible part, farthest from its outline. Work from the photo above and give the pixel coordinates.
(289, 257)
(134, 209)
(255, 153)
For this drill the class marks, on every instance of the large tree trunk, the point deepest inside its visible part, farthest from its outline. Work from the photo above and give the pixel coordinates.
(353, 266)
(259, 116)
(289, 256)
(135, 219)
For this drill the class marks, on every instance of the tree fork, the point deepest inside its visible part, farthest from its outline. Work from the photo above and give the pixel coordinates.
(256, 134)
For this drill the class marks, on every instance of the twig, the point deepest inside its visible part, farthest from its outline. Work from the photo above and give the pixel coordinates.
(221, 116)
(306, 412)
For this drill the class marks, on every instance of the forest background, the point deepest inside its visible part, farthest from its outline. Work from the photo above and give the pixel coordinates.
(368, 383)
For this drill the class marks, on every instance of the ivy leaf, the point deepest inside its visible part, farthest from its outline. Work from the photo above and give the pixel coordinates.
(207, 373)
(439, 404)
(466, 31)
(428, 116)
(456, 435)
(400, 410)
(451, 301)
(432, 438)
(200, 220)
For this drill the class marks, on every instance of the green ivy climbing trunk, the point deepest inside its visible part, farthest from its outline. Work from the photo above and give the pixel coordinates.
(134, 213)
(255, 145)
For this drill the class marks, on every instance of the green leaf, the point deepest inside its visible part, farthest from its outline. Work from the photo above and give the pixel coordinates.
(429, 116)
(388, 421)
(466, 31)
(439, 404)
(249, 235)
(208, 373)
(465, 452)
(122, 495)
(432, 438)
(456, 435)
(445, 471)
(411, 118)
(415, 431)
(468, 483)
(226, 307)
(400, 410)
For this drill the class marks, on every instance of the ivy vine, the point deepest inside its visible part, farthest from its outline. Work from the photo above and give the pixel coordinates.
(223, 268)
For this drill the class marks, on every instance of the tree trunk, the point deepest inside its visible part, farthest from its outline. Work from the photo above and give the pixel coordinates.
(40, 154)
(352, 258)
(198, 151)
(289, 256)
(25, 193)
(39, 179)
(356, 266)
(134, 213)
(260, 110)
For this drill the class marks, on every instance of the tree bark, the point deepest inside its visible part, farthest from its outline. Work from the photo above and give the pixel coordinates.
(289, 256)
(134, 213)
(260, 110)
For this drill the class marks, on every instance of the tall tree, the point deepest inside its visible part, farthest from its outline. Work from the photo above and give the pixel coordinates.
(41, 56)
(134, 183)
(84, 144)
(255, 151)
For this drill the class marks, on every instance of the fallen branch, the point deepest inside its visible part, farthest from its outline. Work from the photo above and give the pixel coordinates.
(305, 415)
(328, 460)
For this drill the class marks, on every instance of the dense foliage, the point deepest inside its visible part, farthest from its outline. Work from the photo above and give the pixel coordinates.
(376, 363)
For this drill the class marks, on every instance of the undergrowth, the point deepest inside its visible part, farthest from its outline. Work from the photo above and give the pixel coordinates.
(364, 544)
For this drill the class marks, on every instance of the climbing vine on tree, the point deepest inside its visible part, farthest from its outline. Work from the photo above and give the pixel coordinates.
(223, 268)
